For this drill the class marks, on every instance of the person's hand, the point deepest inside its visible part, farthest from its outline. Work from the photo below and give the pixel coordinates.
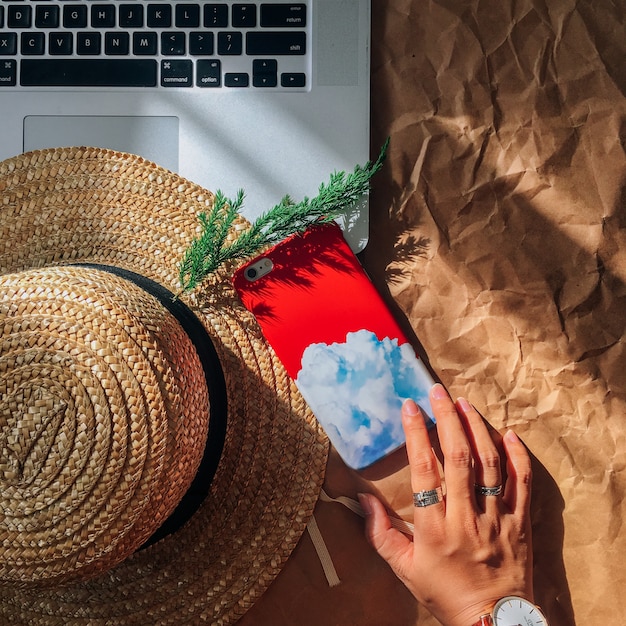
(468, 550)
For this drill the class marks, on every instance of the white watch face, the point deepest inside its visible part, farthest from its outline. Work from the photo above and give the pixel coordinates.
(513, 611)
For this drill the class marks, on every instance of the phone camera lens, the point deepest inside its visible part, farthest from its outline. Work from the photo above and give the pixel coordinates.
(251, 273)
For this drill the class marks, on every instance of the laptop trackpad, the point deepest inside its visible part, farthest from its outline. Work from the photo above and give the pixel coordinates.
(154, 138)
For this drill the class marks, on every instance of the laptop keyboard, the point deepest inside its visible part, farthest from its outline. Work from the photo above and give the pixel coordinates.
(154, 44)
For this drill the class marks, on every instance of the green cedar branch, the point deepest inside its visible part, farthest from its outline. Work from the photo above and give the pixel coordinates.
(211, 249)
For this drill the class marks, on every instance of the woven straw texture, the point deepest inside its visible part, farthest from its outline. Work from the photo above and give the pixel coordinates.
(103, 421)
(90, 205)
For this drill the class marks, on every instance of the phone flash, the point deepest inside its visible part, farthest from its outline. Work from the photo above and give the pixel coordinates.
(259, 269)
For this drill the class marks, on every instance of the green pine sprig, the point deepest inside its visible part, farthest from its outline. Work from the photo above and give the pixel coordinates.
(212, 248)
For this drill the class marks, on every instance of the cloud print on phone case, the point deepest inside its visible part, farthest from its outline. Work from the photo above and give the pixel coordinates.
(362, 382)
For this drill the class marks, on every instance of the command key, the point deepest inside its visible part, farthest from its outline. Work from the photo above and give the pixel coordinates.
(8, 73)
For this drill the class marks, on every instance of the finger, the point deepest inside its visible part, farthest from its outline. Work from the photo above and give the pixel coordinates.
(391, 544)
(456, 449)
(422, 461)
(487, 463)
(519, 475)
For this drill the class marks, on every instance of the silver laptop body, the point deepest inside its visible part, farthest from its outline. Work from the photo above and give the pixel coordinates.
(270, 97)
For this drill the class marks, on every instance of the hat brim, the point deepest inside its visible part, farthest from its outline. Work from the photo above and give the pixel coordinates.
(91, 205)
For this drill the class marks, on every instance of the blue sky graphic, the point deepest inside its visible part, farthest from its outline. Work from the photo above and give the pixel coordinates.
(356, 390)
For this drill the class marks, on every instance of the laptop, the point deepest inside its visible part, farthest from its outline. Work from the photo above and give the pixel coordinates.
(269, 97)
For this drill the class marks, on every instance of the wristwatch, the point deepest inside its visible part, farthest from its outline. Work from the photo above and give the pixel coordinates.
(513, 610)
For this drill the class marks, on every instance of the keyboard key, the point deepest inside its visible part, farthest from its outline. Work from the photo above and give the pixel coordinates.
(60, 43)
(283, 15)
(88, 72)
(159, 16)
(102, 16)
(215, 15)
(264, 72)
(19, 16)
(187, 16)
(75, 16)
(273, 43)
(264, 66)
(264, 80)
(8, 73)
(8, 44)
(88, 43)
(176, 73)
(229, 43)
(116, 43)
(33, 43)
(145, 43)
(293, 79)
(201, 44)
(244, 15)
(209, 73)
(236, 79)
(47, 16)
(172, 43)
(130, 15)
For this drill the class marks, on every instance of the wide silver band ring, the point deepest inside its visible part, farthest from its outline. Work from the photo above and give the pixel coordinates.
(481, 490)
(428, 497)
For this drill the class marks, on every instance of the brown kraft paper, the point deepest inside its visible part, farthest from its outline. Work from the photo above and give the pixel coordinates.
(498, 237)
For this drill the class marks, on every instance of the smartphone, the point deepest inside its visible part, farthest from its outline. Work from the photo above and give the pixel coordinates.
(337, 339)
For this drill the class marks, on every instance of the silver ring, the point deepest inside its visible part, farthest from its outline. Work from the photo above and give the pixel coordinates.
(481, 490)
(428, 497)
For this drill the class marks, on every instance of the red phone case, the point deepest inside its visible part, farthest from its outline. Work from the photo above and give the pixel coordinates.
(337, 340)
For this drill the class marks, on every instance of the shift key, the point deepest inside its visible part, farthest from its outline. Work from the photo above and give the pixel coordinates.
(272, 43)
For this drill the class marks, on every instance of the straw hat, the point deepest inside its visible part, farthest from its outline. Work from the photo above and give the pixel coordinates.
(157, 465)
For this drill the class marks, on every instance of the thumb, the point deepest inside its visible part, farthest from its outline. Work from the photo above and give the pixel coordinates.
(390, 543)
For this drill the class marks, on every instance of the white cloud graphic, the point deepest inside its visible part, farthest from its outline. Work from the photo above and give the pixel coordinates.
(356, 390)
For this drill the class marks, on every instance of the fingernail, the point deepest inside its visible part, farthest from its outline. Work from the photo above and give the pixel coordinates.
(409, 407)
(511, 437)
(464, 405)
(438, 392)
(365, 503)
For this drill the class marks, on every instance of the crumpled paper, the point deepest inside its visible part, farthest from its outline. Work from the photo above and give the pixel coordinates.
(498, 236)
